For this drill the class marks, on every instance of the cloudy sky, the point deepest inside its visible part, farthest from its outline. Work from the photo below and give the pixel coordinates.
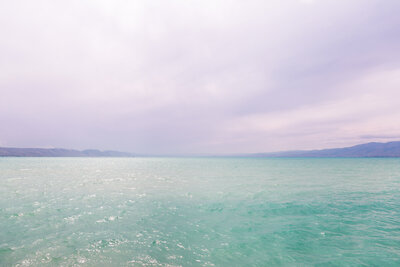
(220, 76)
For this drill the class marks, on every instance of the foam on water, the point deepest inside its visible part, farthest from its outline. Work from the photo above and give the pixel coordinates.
(199, 212)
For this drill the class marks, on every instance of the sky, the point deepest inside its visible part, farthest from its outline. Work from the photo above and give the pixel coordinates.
(198, 77)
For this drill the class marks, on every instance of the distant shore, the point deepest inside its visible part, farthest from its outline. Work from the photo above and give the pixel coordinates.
(368, 150)
(59, 152)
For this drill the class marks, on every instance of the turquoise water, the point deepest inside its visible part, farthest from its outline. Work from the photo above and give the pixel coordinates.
(199, 212)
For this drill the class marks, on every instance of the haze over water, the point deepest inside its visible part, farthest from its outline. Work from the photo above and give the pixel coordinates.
(199, 77)
(199, 212)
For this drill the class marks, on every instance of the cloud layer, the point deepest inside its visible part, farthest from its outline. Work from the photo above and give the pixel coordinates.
(199, 76)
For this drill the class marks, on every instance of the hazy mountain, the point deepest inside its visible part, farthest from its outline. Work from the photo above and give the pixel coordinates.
(391, 149)
(58, 152)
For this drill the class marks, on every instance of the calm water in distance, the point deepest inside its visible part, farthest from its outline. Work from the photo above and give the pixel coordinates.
(199, 212)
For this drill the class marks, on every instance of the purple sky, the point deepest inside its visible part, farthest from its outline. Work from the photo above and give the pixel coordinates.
(199, 76)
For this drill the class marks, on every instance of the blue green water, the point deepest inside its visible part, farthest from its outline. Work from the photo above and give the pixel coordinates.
(199, 212)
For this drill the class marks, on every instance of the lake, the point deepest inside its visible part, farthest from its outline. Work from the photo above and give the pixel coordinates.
(199, 212)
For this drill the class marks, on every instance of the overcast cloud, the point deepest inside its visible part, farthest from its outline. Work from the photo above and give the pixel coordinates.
(199, 76)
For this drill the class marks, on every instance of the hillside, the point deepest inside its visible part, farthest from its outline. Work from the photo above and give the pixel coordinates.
(58, 152)
(390, 149)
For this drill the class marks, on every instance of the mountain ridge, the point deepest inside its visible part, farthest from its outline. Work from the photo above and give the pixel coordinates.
(59, 152)
(367, 150)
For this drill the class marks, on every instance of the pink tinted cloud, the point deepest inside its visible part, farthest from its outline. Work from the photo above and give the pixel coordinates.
(198, 76)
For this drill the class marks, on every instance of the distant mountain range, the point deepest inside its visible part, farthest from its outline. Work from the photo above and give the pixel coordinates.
(58, 152)
(391, 149)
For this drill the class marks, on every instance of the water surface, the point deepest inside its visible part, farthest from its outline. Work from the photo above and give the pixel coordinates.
(199, 212)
